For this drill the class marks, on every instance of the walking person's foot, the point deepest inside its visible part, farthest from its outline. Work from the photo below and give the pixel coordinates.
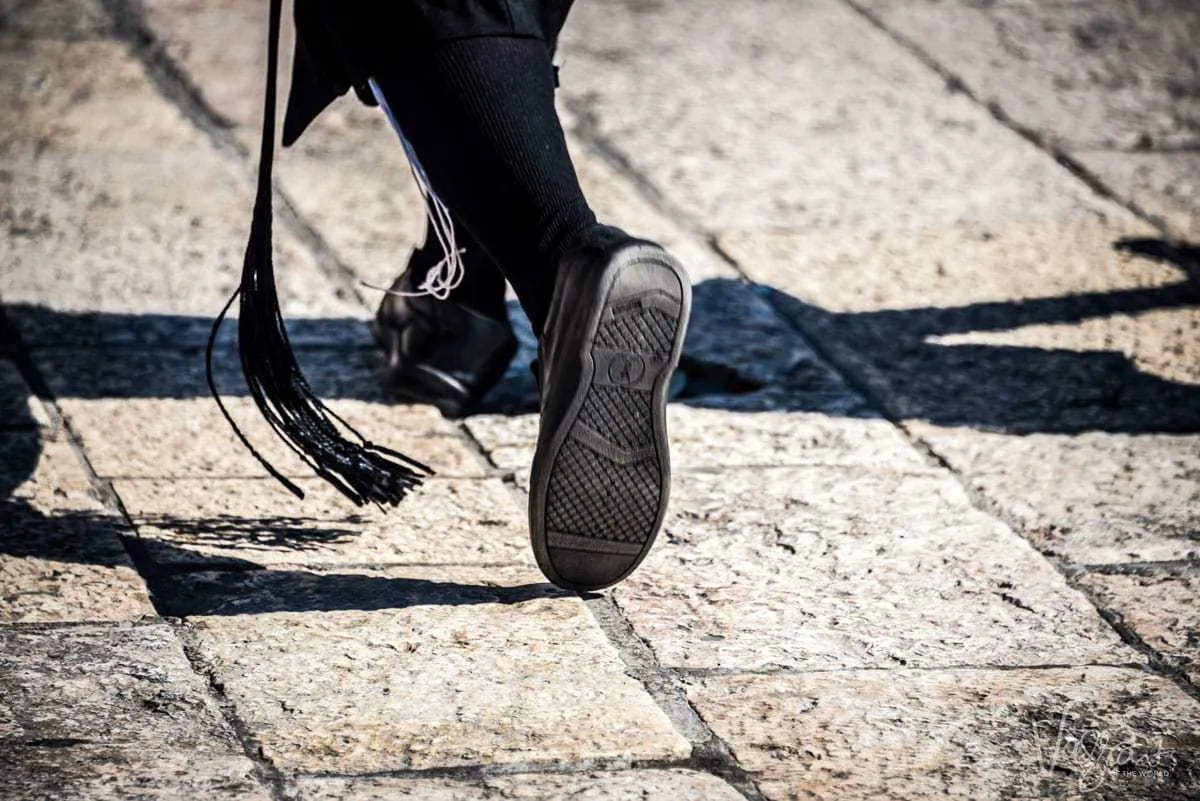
(441, 352)
(601, 473)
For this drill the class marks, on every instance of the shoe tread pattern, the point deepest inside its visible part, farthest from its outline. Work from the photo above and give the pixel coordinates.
(591, 494)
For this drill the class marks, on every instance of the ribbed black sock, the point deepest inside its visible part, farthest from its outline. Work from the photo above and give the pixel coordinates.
(480, 114)
(482, 287)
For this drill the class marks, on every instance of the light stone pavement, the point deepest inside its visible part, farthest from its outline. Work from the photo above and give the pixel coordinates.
(935, 528)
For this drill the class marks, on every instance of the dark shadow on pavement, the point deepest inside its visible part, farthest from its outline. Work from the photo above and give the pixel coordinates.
(741, 355)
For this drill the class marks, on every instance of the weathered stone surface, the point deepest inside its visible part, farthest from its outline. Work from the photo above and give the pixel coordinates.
(257, 522)
(524, 675)
(182, 438)
(220, 46)
(703, 439)
(867, 299)
(40, 469)
(633, 785)
(825, 568)
(133, 232)
(617, 202)
(1094, 498)
(1166, 185)
(60, 558)
(1160, 606)
(1094, 74)
(111, 713)
(347, 176)
(1096, 732)
(65, 19)
(795, 115)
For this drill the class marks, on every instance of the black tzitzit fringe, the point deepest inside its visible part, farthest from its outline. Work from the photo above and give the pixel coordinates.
(362, 471)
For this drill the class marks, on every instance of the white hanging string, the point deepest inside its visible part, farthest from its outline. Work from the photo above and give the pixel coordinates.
(447, 273)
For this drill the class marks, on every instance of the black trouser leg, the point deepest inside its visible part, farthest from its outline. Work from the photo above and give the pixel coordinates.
(480, 114)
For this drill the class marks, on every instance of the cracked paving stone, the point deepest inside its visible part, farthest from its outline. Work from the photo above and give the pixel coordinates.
(826, 568)
(102, 713)
(60, 556)
(1111, 73)
(632, 785)
(188, 438)
(257, 522)
(1093, 498)
(124, 234)
(1100, 733)
(465, 667)
(1159, 606)
(1048, 326)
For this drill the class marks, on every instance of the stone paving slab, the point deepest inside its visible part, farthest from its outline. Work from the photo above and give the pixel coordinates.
(60, 556)
(633, 785)
(1093, 498)
(824, 568)
(867, 300)
(983, 735)
(114, 198)
(95, 713)
(1166, 185)
(188, 438)
(438, 685)
(797, 115)
(1159, 605)
(706, 439)
(42, 471)
(1102, 73)
(249, 522)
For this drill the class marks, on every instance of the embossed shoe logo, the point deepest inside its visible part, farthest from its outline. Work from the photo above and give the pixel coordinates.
(626, 368)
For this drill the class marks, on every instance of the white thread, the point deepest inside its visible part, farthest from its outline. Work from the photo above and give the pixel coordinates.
(448, 273)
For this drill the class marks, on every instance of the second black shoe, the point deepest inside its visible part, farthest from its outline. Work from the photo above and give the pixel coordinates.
(601, 473)
(441, 352)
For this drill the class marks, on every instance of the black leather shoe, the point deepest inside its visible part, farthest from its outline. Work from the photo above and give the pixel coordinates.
(441, 352)
(601, 473)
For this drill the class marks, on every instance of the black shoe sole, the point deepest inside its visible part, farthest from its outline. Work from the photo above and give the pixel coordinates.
(601, 477)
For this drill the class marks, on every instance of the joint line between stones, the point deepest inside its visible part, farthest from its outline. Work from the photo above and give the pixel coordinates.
(136, 551)
(173, 84)
(710, 753)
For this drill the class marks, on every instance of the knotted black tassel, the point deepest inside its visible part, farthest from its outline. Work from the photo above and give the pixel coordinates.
(362, 471)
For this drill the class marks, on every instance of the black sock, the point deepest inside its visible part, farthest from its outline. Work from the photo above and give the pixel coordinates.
(482, 286)
(480, 114)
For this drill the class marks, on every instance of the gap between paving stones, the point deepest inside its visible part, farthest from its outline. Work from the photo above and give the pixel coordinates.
(265, 770)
